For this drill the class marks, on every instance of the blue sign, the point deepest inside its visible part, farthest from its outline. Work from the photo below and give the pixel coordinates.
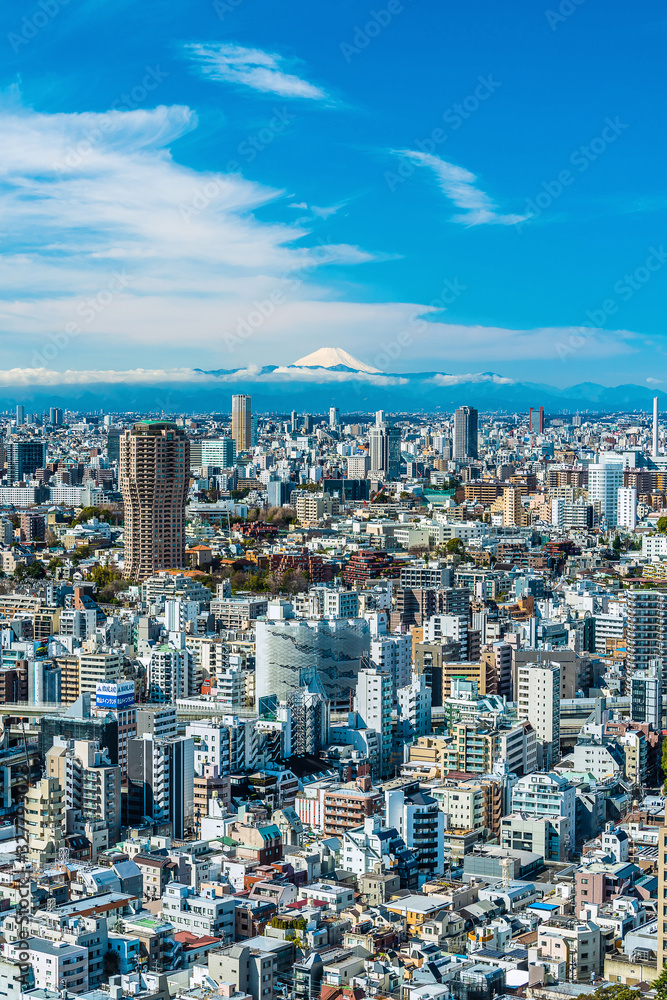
(115, 696)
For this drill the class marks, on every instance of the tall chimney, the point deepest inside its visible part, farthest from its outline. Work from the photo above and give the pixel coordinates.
(655, 426)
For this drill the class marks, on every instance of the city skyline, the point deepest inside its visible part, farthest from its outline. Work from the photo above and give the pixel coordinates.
(237, 188)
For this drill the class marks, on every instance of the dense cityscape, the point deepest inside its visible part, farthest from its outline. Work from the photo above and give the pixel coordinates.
(333, 500)
(332, 705)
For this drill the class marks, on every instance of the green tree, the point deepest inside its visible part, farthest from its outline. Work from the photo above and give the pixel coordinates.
(617, 542)
(662, 524)
(101, 513)
(455, 547)
(614, 992)
(35, 571)
(104, 575)
(659, 985)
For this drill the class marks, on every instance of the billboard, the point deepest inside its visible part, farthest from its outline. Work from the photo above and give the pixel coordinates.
(115, 696)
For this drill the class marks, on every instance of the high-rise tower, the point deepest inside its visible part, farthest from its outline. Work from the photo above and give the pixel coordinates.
(241, 422)
(385, 449)
(465, 433)
(154, 476)
(536, 420)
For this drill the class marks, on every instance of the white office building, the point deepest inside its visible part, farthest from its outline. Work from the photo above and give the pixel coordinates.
(169, 672)
(447, 627)
(333, 602)
(414, 708)
(605, 479)
(373, 702)
(546, 795)
(538, 701)
(358, 466)
(626, 512)
(178, 613)
(393, 653)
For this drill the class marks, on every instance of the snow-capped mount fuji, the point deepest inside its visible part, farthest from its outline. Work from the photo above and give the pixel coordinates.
(334, 357)
(330, 376)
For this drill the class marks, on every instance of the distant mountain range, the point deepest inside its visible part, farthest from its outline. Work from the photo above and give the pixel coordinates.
(327, 377)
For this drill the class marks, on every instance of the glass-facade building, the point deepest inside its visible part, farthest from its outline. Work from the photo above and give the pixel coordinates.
(292, 652)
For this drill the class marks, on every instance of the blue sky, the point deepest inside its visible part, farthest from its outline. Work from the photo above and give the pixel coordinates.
(451, 187)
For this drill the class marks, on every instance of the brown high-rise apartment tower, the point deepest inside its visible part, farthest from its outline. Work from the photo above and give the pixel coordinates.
(154, 477)
(241, 422)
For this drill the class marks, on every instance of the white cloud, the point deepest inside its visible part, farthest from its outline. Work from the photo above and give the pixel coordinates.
(262, 71)
(476, 379)
(200, 280)
(654, 381)
(134, 376)
(159, 376)
(459, 186)
(84, 197)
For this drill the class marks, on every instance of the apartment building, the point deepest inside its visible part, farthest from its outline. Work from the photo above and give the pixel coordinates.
(311, 508)
(99, 668)
(348, 805)
(153, 476)
(373, 701)
(646, 629)
(44, 821)
(393, 653)
(203, 914)
(414, 708)
(237, 612)
(575, 943)
(416, 817)
(538, 700)
(56, 965)
(251, 969)
(91, 786)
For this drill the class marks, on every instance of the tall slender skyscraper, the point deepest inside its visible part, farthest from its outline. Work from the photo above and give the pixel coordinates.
(465, 433)
(385, 450)
(654, 449)
(605, 479)
(536, 420)
(241, 422)
(154, 476)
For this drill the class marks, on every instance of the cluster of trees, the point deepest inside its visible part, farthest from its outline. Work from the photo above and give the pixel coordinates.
(268, 582)
(454, 547)
(616, 991)
(106, 514)
(33, 571)
(281, 516)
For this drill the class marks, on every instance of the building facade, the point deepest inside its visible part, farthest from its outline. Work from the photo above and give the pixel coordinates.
(154, 477)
